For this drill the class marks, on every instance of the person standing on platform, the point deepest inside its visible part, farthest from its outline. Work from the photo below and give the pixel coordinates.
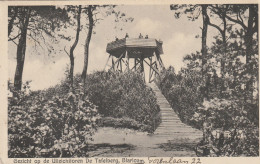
(141, 36)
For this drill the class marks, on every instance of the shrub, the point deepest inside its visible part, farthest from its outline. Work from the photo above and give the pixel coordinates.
(123, 95)
(57, 126)
(231, 116)
(116, 95)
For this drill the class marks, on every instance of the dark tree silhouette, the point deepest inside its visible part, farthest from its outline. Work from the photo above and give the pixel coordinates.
(77, 11)
(87, 42)
(21, 47)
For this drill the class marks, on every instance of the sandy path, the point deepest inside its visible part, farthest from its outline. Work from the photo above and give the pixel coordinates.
(129, 143)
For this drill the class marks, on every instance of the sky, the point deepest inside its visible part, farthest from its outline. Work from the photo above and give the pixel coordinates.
(157, 21)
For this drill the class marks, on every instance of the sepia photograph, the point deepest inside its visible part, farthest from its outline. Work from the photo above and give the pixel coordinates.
(132, 80)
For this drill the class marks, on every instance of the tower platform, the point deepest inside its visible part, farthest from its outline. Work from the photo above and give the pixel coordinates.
(136, 47)
(141, 50)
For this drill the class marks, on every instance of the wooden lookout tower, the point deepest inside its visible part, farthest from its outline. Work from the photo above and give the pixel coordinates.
(136, 51)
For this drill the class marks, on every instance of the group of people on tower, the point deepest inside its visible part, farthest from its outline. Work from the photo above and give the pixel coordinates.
(140, 36)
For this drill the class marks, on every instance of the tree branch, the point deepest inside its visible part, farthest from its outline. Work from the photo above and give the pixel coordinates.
(213, 25)
(11, 39)
(34, 40)
(237, 21)
(97, 19)
(66, 51)
(240, 22)
(239, 15)
(14, 42)
(255, 28)
(217, 27)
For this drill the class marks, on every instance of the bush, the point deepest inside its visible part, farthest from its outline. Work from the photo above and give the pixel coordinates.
(123, 95)
(230, 116)
(57, 126)
(117, 95)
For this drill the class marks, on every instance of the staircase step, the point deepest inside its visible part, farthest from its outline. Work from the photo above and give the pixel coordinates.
(168, 119)
(171, 126)
(178, 136)
(187, 135)
(169, 115)
(180, 132)
(174, 128)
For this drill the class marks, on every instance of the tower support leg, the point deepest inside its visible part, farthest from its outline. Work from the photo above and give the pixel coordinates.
(107, 62)
(159, 61)
(113, 64)
(121, 70)
(142, 67)
(150, 70)
(127, 57)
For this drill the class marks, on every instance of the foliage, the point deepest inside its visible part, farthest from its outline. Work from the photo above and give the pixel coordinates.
(226, 94)
(55, 126)
(44, 23)
(117, 95)
(231, 116)
(192, 11)
(58, 123)
(230, 110)
(229, 102)
(123, 95)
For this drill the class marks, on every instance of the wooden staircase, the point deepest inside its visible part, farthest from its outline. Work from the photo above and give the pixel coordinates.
(171, 126)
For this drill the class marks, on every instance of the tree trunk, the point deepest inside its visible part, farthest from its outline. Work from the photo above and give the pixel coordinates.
(204, 38)
(21, 48)
(249, 34)
(71, 73)
(224, 42)
(11, 22)
(87, 42)
(249, 49)
(205, 19)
